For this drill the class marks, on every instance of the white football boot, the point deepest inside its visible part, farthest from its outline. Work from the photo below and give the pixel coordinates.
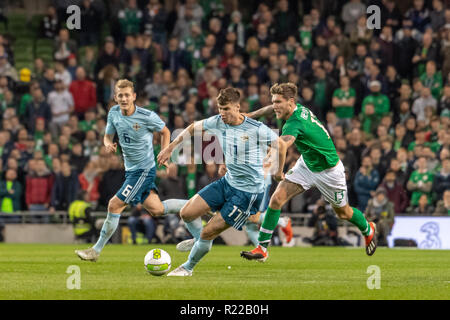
(186, 245)
(88, 254)
(180, 272)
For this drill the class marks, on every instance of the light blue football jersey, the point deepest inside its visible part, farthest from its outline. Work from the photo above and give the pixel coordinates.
(244, 147)
(135, 134)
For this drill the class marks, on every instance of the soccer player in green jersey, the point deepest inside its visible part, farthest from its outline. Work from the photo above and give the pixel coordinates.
(318, 166)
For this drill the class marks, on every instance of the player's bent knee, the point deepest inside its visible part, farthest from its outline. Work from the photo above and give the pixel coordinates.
(186, 214)
(115, 205)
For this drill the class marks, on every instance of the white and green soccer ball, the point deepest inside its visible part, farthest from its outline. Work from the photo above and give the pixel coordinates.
(157, 262)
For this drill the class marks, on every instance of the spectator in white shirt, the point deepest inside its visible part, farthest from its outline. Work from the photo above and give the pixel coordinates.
(61, 73)
(425, 100)
(61, 104)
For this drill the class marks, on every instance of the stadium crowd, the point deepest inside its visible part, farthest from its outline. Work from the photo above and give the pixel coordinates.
(384, 94)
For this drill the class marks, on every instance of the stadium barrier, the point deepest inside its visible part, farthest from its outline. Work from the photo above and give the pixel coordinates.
(424, 232)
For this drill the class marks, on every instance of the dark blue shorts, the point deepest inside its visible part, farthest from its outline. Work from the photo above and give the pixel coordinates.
(234, 205)
(137, 186)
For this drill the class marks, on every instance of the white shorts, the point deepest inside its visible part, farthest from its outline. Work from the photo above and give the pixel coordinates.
(330, 182)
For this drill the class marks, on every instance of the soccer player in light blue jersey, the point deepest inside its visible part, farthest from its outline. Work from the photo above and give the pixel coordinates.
(134, 127)
(240, 192)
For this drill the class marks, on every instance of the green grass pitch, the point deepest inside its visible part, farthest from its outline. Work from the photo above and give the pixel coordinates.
(34, 271)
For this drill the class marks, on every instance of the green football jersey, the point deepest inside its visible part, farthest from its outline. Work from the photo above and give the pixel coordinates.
(416, 177)
(347, 111)
(311, 139)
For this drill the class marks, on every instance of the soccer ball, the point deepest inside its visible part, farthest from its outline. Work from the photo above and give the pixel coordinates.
(157, 262)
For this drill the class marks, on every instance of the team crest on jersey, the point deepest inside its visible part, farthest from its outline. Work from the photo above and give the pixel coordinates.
(304, 114)
(244, 137)
(136, 126)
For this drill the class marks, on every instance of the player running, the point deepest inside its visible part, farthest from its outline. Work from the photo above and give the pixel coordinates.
(240, 192)
(134, 127)
(318, 166)
(254, 221)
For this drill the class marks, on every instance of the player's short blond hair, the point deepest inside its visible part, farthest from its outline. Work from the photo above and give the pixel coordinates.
(124, 83)
(287, 90)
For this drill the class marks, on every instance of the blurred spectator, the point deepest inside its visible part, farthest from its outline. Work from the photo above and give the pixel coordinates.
(425, 100)
(89, 181)
(61, 73)
(108, 55)
(10, 192)
(38, 107)
(395, 192)
(443, 206)
(130, 18)
(432, 79)
(406, 44)
(6, 69)
(208, 176)
(381, 211)
(379, 100)
(64, 46)
(419, 15)
(61, 105)
(423, 207)
(324, 223)
(343, 101)
(50, 24)
(81, 219)
(91, 20)
(171, 186)
(284, 19)
(83, 92)
(155, 20)
(65, 188)
(426, 51)
(441, 181)
(420, 182)
(77, 158)
(366, 180)
(140, 220)
(361, 34)
(237, 26)
(351, 12)
(39, 184)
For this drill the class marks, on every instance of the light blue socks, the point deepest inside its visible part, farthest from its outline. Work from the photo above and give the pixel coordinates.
(195, 227)
(252, 230)
(198, 251)
(173, 206)
(109, 226)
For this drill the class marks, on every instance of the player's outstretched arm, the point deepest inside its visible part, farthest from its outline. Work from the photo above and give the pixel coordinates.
(165, 141)
(164, 156)
(165, 137)
(109, 144)
(261, 112)
(278, 149)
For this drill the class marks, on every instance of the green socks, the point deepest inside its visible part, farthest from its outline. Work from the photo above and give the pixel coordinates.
(360, 221)
(269, 224)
